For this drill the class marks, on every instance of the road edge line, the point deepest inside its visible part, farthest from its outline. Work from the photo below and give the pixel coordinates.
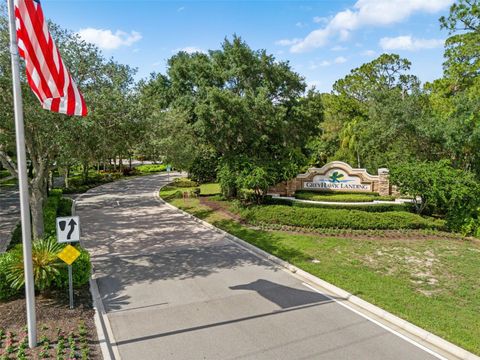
(410, 328)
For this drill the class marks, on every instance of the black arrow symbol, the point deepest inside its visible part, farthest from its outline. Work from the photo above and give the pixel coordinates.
(72, 224)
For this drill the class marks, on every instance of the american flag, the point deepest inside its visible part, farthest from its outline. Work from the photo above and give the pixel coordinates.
(47, 75)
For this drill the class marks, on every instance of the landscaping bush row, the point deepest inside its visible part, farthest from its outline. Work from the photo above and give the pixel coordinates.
(49, 271)
(368, 208)
(55, 206)
(337, 218)
(183, 183)
(151, 168)
(341, 197)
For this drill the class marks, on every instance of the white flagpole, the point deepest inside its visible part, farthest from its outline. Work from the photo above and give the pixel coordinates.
(22, 180)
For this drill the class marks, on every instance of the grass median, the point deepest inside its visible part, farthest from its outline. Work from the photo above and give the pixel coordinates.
(427, 277)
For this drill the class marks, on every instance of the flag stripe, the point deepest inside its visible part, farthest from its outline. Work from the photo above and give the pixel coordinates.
(47, 75)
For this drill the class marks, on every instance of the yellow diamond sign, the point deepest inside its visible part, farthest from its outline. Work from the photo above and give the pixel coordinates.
(69, 254)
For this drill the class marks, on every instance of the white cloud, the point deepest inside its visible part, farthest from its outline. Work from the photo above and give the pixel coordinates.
(324, 63)
(369, 53)
(410, 43)
(189, 50)
(366, 13)
(106, 39)
(287, 42)
(320, 19)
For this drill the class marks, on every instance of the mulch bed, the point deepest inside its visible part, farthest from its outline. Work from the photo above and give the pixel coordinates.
(55, 321)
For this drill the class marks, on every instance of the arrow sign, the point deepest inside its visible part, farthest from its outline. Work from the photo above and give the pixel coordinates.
(72, 224)
(68, 229)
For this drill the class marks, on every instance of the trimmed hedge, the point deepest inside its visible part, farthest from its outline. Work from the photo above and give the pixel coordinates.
(50, 210)
(368, 208)
(81, 271)
(151, 168)
(337, 218)
(184, 183)
(54, 206)
(341, 196)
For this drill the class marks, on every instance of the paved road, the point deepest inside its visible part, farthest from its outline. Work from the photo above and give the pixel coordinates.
(9, 214)
(174, 289)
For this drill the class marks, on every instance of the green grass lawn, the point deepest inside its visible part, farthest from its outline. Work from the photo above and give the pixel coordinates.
(210, 189)
(432, 282)
(341, 197)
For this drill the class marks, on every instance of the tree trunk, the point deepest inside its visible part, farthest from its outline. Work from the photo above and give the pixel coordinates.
(38, 194)
(66, 175)
(85, 172)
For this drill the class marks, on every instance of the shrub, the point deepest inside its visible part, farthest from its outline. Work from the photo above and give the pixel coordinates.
(50, 210)
(81, 271)
(204, 166)
(48, 270)
(151, 168)
(368, 208)
(16, 236)
(341, 197)
(440, 188)
(182, 182)
(6, 291)
(46, 264)
(64, 207)
(127, 171)
(337, 218)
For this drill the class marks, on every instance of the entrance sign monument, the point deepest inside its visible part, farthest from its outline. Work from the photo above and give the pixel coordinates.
(336, 176)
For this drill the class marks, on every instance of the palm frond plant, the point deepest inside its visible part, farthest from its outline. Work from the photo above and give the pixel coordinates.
(46, 264)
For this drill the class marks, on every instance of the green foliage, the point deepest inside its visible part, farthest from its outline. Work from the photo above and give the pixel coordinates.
(50, 210)
(81, 271)
(6, 291)
(367, 208)
(341, 197)
(16, 237)
(210, 189)
(204, 166)
(151, 168)
(184, 183)
(336, 218)
(48, 270)
(439, 187)
(46, 264)
(248, 109)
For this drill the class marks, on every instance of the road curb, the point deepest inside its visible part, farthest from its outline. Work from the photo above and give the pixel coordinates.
(102, 323)
(410, 328)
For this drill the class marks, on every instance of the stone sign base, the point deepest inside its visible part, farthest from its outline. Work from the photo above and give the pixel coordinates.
(336, 176)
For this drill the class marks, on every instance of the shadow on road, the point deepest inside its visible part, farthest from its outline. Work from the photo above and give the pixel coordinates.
(281, 295)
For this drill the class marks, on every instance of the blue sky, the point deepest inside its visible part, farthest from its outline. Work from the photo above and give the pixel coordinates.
(323, 40)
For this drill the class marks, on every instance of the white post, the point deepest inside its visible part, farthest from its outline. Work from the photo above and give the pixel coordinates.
(23, 181)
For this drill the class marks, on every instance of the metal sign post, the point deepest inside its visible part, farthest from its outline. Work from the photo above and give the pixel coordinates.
(70, 285)
(169, 168)
(68, 231)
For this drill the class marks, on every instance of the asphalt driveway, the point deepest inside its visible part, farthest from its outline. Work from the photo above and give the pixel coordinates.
(174, 289)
